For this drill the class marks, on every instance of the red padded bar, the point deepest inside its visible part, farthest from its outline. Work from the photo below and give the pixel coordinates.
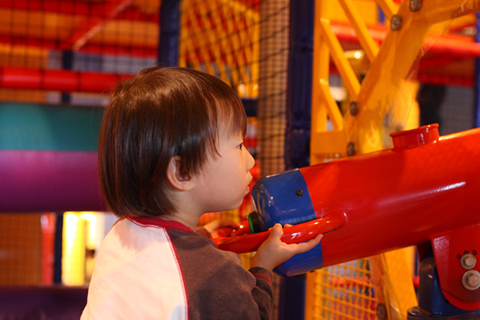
(58, 80)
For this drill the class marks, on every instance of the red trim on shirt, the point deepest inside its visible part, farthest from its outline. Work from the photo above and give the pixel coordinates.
(261, 275)
(180, 269)
(159, 223)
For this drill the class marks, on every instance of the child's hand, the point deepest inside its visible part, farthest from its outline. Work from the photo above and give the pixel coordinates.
(273, 251)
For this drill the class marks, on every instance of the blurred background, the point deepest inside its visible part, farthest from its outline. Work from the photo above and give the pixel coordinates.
(60, 58)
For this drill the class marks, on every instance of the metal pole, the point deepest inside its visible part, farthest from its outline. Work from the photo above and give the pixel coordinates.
(299, 84)
(297, 133)
(168, 44)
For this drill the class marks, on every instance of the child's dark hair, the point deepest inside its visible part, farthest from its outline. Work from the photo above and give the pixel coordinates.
(158, 114)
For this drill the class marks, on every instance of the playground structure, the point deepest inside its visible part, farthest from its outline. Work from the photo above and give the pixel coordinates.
(361, 128)
(244, 71)
(409, 196)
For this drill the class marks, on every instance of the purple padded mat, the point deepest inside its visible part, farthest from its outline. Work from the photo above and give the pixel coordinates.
(42, 302)
(39, 181)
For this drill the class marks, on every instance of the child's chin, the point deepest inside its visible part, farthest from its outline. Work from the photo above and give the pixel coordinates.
(237, 205)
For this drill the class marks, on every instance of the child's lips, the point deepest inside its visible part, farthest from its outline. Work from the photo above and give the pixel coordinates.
(248, 185)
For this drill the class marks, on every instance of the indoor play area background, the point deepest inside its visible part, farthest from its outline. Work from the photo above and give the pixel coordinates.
(303, 69)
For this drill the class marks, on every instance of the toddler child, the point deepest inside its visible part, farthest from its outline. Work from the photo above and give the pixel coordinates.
(171, 149)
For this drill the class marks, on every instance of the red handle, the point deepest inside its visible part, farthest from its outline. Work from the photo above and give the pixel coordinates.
(243, 228)
(294, 234)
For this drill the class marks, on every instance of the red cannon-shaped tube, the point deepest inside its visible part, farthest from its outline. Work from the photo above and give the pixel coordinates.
(424, 191)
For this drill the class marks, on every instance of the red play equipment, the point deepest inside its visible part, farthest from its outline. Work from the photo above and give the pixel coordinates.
(421, 192)
(60, 80)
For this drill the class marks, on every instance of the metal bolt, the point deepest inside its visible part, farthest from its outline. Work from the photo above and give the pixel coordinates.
(350, 149)
(471, 280)
(299, 192)
(381, 311)
(353, 108)
(415, 5)
(396, 23)
(468, 261)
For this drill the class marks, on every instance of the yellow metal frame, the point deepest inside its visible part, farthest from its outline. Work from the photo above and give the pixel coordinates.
(390, 65)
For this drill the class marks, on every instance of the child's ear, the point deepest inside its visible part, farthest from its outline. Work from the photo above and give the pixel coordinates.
(176, 178)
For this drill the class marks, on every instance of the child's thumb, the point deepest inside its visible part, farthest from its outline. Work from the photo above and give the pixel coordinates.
(307, 246)
(276, 231)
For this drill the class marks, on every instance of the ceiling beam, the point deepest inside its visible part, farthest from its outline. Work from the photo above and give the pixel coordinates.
(94, 24)
(143, 51)
(79, 8)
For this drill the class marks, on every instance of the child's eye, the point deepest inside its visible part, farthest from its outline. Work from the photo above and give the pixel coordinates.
(240, 146)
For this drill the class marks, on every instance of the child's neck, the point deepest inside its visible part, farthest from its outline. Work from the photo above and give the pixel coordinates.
(188, 220)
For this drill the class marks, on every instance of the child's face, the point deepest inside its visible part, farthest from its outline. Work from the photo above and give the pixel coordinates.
(223, 182)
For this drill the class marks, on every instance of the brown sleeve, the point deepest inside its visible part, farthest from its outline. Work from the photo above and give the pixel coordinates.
(217, 285)
(263, 288)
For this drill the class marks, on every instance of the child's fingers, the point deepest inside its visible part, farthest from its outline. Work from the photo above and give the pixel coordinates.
(306, 246)
(276, 233)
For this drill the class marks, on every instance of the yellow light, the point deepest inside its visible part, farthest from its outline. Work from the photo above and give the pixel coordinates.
(82, 235)
(92, 225)
(73, 260)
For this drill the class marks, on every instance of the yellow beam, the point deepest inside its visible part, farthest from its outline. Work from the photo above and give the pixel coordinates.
(382, 83)
(333, 142)
(434, 11)
(366, 41)
(388, 7)
(391, 67)
(395, 58)
(321, 62)
(338, 56)
(333, 111)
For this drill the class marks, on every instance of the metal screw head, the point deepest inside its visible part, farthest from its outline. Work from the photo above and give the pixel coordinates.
(415, 5)
(471, 280)
(353, 108)
(299, 192)
(350, 149)
(396, 23)
(468, 261)
(381, 311)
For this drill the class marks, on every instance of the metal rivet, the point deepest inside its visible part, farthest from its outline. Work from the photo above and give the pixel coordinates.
(396, 23)
(350, 149)
(415, 5)
(299, 192)
(353, 108)
(381, 311)
(471, 280)
(468, 261)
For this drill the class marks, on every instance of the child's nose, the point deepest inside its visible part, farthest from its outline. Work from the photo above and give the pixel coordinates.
(250, 161)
